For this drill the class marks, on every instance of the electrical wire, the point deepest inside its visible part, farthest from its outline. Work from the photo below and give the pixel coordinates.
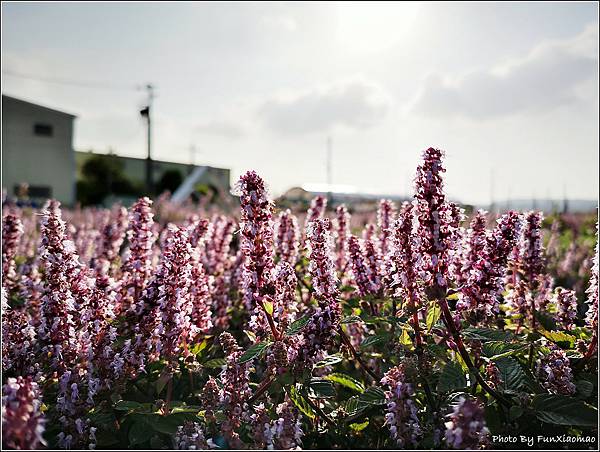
(78, 83)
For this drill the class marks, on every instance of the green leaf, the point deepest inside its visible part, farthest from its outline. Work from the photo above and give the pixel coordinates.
(329, 361)
(493, 417)
(297, 325)
(405, 338)
(301, 403)
(106, 438)
(563, 410)
(584, 388)
(358, 427)
(127, 405)
(346, 380)
(372, 340)
(197, 348)
(373, 396)
(215, 363)
(102, 418)
(286, 378)
(493, 348)
(351, 319)
(433, 315)
(487, 334)
(138, 433)
(322, 388)
(515, 412)
(268, 307)
(546, 320)
(162, 382)
(511, 373)
(560, 338)
(254, 351)
(250, 335)
(451, 378)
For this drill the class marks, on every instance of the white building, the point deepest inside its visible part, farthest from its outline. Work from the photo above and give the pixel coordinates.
(37, 149)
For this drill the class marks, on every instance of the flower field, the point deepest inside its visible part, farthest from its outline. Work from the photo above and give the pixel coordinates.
(416, 327)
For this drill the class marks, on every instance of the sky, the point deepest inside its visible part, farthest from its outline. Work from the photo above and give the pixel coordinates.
(508, 90)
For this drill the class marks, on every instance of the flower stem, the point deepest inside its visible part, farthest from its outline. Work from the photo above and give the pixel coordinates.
(261, 390)
(346, 341)
(449, 322)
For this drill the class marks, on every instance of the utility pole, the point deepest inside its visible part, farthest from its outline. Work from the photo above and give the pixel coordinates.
(565, 206)
(329, 178)
(146, 113)
(492, 199)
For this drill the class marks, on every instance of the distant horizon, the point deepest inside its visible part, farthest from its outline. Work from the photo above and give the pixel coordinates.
(354, 188)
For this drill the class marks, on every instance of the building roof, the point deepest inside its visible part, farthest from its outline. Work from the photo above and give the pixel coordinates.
(53, 110)
(143, 159)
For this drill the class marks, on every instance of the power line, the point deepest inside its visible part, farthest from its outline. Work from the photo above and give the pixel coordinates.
(78, 83)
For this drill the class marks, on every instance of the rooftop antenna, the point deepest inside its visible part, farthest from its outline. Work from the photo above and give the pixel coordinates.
(194, 151)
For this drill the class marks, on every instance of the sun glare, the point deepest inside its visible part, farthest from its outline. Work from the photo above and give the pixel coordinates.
(366, 27)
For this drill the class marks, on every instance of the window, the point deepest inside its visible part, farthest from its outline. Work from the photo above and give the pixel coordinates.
(43, 130)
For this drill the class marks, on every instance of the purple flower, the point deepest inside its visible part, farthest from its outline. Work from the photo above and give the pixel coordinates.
(485, 269)
(12, 230)
(262, 430)
(316, 209)
(18, 338)
(287, 431)
(287, 237)
(200, 290)
(385, 217)
(235, 391)
(111, 239)
(169, 324)
(403, 259)
(217, 245)
(210, 398)
(324, 322)
(438, 220)
(566, 304)
(401, 413)
(591, 318)
(476, 238)
(492, 374)
(360, 270)
(256, 239)
(342, 232)
(531, 256)
(555, 374)
(62, 284)
(285, 306)
(320, 265)
(22, 419)
(190, 436)
(466, 427)
(519, 299)
(369, 232)
(137, 267)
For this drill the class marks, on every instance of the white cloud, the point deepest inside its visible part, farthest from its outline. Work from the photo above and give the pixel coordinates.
(223, 128)
(280, 22)
(549, 76)
(355, 104)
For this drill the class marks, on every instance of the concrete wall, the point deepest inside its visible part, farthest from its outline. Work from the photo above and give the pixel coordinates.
(34, 159)
(135, 170)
